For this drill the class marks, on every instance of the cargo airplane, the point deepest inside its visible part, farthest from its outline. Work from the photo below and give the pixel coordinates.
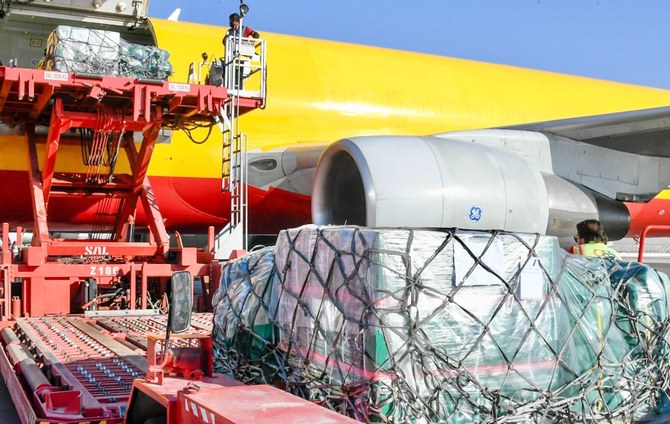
(345, 137)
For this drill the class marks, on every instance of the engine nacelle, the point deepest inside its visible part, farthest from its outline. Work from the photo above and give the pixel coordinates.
(433, 182)
(427, 182)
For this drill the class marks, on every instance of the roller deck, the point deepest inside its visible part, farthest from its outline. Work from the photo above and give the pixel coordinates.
(74, 369)
(89, 364)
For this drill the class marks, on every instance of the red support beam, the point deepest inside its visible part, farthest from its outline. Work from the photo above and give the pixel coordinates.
(144, 286)
(5, 272)
(59, 124)
(40, 229)
(139, 163)
(127, 215)
(154, 218)
(6, 248)
(142, 96)
(210, 239)
(133, 287)
(4, 92)
(7, 293)
(26, 81)
(175, 103)
(41, 103)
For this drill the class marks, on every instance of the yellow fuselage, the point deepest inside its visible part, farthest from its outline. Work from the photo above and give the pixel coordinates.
(321, 91)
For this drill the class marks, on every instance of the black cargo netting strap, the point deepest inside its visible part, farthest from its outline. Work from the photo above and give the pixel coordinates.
(417, 326)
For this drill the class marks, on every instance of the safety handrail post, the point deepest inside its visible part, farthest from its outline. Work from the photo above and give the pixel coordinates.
(643, 237)
(6, 248)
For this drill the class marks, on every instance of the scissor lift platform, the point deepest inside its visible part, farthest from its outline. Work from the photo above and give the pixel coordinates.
(26, 97)
(108, 111)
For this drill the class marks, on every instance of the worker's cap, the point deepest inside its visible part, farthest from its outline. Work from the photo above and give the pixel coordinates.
(234, 17)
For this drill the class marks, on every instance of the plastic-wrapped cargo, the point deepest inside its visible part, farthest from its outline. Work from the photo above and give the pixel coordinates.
(244, 331)
(443, 326)
(144, 61)
(216, 73)
(430, 321)
(83, 50)
(642, 298)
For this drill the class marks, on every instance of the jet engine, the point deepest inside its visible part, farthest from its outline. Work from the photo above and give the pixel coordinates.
(487, 181)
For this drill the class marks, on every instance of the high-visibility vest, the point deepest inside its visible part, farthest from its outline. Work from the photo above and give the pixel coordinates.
(595, 250)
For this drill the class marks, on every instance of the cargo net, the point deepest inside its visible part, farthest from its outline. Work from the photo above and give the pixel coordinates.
(410, 326)
(90, 51)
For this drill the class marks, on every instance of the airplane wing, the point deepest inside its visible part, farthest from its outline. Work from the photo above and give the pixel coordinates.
(643, 132)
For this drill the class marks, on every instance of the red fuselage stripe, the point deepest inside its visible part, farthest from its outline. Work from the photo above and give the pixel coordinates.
(187, 204)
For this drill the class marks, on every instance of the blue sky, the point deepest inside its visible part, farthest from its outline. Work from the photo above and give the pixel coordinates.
(619, 40)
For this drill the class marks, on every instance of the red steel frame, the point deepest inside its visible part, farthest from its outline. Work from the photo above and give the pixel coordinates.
(66, 101)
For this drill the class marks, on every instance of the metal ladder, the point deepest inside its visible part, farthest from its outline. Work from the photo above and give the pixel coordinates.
(234, 180)
(234, 150)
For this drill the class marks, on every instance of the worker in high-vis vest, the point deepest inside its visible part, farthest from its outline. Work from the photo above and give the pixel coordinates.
(592, 241)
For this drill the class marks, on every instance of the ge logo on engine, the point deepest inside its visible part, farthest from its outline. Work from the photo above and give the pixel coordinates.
(475, 213)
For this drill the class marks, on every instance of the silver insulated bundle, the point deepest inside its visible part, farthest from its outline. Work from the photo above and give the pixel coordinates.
(91, 51)
(409, 326)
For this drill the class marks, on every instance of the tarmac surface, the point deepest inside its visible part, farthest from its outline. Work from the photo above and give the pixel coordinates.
(8, 413)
